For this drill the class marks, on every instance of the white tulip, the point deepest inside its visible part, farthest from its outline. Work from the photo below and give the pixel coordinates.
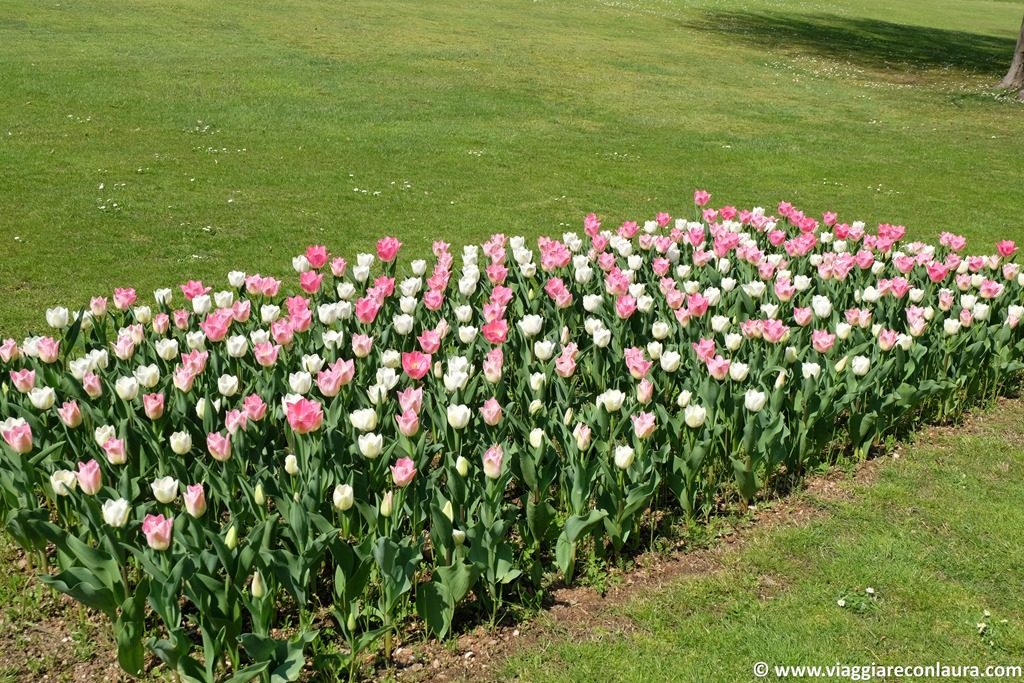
(227, 385)
(624, 456)
(531, 325)
(343, 497)
(611, 400)
(754, 400)
(694, 416)
(269, 313)
(670, 361)
(543, 349)
(148, 376)
(224, 299)
(237, 346)
(202, 304)
(165, 489)
(63, 482)
(592, 302)
(236, 278)
(403, 323)
(57, 318)
(860, 365)
(458, 416)
(291, 464)
(300, 382)
(115, 512)
(738, 371)
(810, 370)
(127, 388)
(370, 444)
(364, 419)
(181, 442)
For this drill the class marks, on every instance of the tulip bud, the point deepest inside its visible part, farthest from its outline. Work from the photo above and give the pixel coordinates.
(537, 438)
(258, 588)
(462, 466)
(448, 511)
(258, 496)
(458, 536)
(385, 504)
(231, 538)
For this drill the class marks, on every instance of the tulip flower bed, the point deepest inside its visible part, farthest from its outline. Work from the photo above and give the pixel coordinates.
(213, 469)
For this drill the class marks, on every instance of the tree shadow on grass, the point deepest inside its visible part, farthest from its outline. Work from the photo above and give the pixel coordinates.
(865, 42)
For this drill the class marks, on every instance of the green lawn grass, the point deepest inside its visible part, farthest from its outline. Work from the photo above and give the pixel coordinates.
(144, 143)
(933, 537)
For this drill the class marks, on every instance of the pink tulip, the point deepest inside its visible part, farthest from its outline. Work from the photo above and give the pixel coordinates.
(1006, 248)
(23, 380)
(718, 367)
(492, 365)
(492, 459)
(491, 412)
(387, 249)
(265, 353)
(338, 267)
(255, 407)
(310, 281)
(48, 349)
(701, 197)
(90, 479)
(219, 446)
(124, 298)
(98, 306)
(643, 425)
(361, 345)
(216, 325)
(161, 323)
(304, 415)
(181, 319)
(329, 381)
(705, 349)
(565, 365)
(496, 331)
(408, 423)
(195, 500)
(403, 472)
(625, 306)
(636, 363)
(70, 414)
(316, 255)
(9, 351)
(157, 530)
(194, 288)
(416, 364)
(887, 339)
(367, 309)
(18, 436)
(822, 341)
(235, 420)
(241, 311)
(346, 369)
(411, 399)
(153, 404)
(92, 385)
(282, 331)
(183, 379)
(429, 341)
(115, 450)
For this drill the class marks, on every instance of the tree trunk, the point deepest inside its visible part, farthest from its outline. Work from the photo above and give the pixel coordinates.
(1014, 78)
